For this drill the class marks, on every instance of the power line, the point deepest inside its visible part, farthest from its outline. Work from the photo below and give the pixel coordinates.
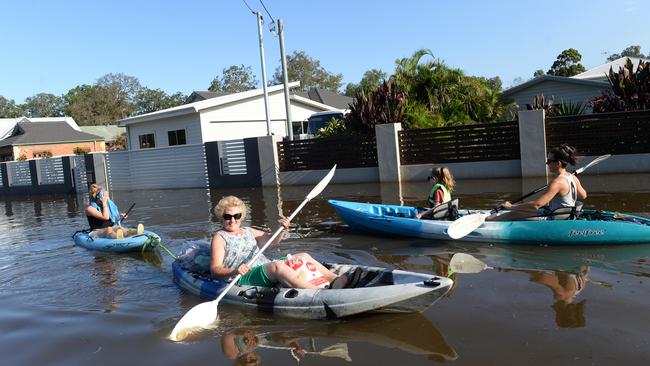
(249, 8)
(267, 11)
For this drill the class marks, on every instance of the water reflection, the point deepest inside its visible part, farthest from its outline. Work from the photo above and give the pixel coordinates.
(410, 333)
(565, 287)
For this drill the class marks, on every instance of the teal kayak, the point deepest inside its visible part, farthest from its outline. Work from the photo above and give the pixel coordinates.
(145, 240)
(591, 227)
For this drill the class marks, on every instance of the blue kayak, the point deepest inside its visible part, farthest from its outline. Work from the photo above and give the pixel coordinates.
(145, 240)
(591, 227)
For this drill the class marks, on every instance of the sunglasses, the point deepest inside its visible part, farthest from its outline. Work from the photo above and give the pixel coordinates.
(229, 217)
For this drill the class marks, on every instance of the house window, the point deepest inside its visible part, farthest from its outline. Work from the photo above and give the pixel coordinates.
(42, 154)
(147, 141)
(176, 137)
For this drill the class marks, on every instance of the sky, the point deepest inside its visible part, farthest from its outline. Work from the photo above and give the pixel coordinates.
(180, 46)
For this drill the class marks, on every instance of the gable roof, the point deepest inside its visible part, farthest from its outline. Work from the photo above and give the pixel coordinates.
(30, 133)
(7, 125)
(199, 95)
(107, 132)
(327, 97)
(600, 72)
(561, 79)
(201, 105)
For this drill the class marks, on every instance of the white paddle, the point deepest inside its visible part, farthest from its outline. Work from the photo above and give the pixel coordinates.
(466, 263)
(468, 223)
(338, 350)
(204, 314)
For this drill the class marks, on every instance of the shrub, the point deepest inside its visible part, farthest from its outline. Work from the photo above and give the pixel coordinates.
(80, 150)
(336, 127)
(22, 157)
(630, 89)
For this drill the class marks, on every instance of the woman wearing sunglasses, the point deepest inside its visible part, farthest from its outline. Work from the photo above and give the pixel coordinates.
(563, 191)
(234, 246)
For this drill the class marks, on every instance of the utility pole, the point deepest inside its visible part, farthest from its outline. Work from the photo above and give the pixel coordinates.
(285, 80)
(266, 94)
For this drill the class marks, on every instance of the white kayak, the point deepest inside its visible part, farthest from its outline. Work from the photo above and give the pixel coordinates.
(378, 289)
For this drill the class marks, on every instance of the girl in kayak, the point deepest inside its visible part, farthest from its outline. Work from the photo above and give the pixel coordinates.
(563, 191)
(443, 185)
(234, 246)
(104, 217)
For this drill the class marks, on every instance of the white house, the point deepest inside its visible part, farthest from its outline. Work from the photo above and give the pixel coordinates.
(227, 117)
(576, 89)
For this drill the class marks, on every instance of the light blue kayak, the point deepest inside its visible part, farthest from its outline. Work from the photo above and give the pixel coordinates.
(591, 227)
(145, 240)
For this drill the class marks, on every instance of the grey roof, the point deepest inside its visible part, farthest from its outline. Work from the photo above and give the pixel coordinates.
(199, 95)
(30, 133)
(327, 97)
(561, 79)
(107, 132)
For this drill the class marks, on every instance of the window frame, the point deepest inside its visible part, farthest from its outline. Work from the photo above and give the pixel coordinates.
(153, 140)
(176, 134)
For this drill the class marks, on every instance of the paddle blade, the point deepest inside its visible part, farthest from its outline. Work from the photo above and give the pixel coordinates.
(200, 316)
(339, 350)
(466, 225)
(466, 263)
(592, 163)
(323, 183)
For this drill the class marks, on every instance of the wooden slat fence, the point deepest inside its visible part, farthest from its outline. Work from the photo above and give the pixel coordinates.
(601, 133)
(321, 153)
(480, 142)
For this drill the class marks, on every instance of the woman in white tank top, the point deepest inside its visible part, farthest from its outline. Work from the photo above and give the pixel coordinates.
(563, 191)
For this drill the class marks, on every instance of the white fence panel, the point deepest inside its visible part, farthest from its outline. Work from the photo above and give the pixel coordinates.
(118, 169)
(78, 165)
(166, 167)
(50, 171)
(233, 157)
(18, 173)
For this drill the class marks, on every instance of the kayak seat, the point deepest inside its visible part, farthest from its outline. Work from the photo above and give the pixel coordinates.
(444, 211)
(566, 213)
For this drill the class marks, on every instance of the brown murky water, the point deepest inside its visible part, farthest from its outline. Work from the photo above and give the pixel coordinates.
(64, 305)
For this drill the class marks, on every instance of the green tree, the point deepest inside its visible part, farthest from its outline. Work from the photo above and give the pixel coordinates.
(301, 67)
(44, 105)
(234, 79)
(87, 105)
(151, 100)
(632, 51)
(9, 109)
(567, 64)
(539, 72)
(371, 80)
(438, 95)
(119, 92)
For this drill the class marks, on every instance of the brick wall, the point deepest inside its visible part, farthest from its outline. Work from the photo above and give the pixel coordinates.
(32, 151)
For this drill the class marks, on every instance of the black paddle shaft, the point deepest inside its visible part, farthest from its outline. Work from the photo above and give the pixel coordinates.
(527, 195)
(127, 212)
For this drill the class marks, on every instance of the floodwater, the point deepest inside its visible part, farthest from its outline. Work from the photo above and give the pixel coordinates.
(64, 305)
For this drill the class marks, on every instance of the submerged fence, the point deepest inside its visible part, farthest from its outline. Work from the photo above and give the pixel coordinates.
(50, 175)
(359, 151)
(603, 133)
(480, 142)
